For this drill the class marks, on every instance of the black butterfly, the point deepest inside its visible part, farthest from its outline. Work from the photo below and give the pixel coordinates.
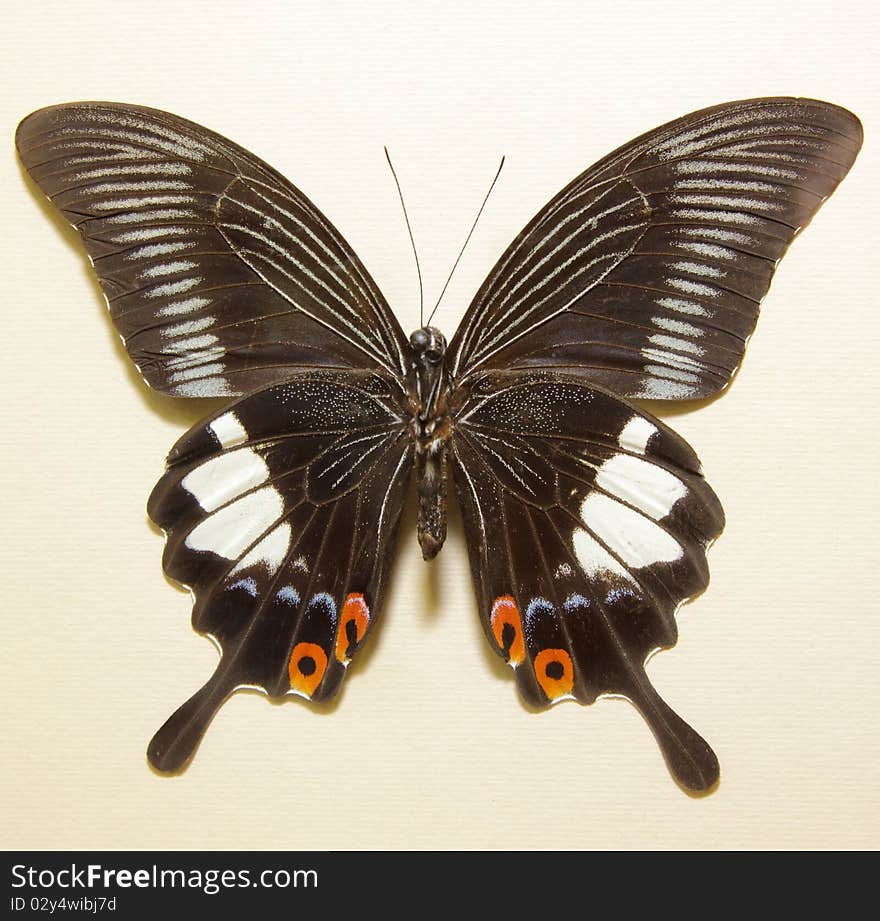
(587, 519)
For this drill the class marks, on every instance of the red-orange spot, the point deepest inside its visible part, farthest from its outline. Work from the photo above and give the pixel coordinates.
(352, 625)
(306, 668)
(554, 672)
(507, 628)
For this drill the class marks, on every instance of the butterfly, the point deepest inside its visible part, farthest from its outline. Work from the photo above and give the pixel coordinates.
(587, 519)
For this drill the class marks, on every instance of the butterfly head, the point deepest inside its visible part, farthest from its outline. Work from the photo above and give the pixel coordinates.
(428, 345)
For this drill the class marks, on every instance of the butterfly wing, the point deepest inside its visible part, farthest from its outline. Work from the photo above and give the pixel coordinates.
(281, 514)
(645, 274)
(587, 523)
(219, 275)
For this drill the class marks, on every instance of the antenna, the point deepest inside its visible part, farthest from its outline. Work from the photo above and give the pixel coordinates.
(411, 240)
(467, 240)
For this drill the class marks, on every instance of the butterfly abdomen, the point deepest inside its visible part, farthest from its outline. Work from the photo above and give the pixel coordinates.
(432, 501)
(432, 453)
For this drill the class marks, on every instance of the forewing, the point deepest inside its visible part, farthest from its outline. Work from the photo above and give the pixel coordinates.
(587, 524)
(645, 274)
(281, 514)
(219, 274)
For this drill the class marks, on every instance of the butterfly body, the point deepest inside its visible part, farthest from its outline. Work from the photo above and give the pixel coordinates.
(587, 520)
(431, 425)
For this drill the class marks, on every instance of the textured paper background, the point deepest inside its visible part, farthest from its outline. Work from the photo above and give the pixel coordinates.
(428, 745)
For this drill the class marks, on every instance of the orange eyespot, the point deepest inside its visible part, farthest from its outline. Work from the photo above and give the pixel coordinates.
(554, 672)
(507, 629)
(306, 668)
(352, 625)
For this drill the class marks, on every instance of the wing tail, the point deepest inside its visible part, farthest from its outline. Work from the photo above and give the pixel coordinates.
(174, 744)
(689, 757)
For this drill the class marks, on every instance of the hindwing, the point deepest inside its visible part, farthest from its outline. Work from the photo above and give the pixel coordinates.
(281, 514)
(587, 523)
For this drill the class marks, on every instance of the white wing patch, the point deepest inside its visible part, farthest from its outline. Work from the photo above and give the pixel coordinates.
(228, 430)
(188, 327)
(636, 434)
(207, 387)
(594, 558)
(655, 389)
(229, 531)
(650, 488)
(224, 477)
(635, 539)
(271, 551)
(188, 305)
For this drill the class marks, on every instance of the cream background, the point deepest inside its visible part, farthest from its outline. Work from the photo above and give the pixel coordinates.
(428, 745)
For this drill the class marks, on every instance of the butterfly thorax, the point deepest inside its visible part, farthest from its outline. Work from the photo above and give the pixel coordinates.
(429, 390)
